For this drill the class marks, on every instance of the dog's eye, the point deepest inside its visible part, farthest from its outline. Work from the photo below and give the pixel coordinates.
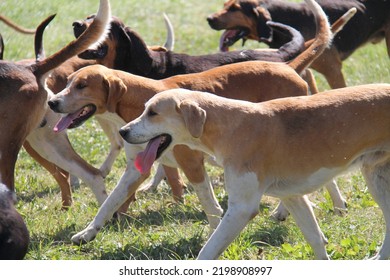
(81, 86)
(151, 113)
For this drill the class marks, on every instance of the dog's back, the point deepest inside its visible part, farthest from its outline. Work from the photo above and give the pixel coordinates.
(368, 24)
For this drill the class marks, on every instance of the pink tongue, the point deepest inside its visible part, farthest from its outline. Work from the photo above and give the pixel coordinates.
(65, 122)
(226, 34)
(145, 159)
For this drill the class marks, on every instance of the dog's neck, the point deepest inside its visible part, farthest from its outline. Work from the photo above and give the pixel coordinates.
(214, 140)
(139, 90)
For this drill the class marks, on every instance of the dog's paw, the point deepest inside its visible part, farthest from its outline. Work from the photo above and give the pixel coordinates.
(280, 213)
(340, 211)
(84, 236)
(149, 187)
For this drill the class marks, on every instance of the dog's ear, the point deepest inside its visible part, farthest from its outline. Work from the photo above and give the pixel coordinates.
(115, 89)
(141, 58)
(263, 30)
(194, 117)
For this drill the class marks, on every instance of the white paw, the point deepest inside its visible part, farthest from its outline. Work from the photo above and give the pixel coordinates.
(280, 213)
(84, 236)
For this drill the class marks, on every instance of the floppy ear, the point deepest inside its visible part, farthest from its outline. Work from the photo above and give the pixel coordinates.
(263, 30)
(194, 117)
(115, 88)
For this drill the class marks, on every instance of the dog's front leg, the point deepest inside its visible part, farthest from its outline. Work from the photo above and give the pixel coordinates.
(243, 205)
(205, 193)
(127, 185)
(301, 210)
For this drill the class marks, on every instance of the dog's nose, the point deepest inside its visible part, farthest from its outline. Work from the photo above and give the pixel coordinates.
(212, 22)
(210, 19)
(53, 104)
(77, 24)
(123, 132)
(78, 28)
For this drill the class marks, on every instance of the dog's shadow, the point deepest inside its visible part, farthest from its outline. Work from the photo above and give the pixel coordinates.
(272, 233)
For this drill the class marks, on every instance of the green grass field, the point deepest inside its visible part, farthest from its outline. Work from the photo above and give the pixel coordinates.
(155, 227)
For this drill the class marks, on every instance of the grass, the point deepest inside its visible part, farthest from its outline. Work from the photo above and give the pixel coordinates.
(155, 227)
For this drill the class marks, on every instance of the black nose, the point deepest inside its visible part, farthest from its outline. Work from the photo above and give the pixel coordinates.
(123, 133)
(212, 22)
(78, 28)
(53, 104)
(77, 24)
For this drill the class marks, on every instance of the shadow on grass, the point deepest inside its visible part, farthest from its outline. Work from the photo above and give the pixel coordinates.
(184, 248)
(269, 233)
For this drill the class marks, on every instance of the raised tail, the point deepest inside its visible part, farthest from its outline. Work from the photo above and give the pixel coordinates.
(38, 40)
(95, 33)
(339, 24)
(170, 41)
(322, 40)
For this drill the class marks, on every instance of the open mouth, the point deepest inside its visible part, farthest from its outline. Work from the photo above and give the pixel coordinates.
(152, 152)
(75, 119)
(231, 36)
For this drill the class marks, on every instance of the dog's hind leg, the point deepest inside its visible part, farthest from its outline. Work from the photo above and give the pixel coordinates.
(301, 210)
(116, 143)
(175, 181)
(59, 175)
(339, 202)
(329, 64)
(153, 183)
(378, 182)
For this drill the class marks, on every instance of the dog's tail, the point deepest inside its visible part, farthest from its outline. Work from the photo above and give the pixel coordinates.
(338, 25)
(170, 41)
(322, 40)
(38, 40)
(96, 32)
(13, 25)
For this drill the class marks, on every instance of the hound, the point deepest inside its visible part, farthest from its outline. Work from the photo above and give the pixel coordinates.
(287, 148)
(247, 19)
(120, 96)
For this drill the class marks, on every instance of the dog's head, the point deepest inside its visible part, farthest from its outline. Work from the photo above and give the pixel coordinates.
(108, 52)
(242, 19)
(170, 118)
(90, 90)
(123, 48)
